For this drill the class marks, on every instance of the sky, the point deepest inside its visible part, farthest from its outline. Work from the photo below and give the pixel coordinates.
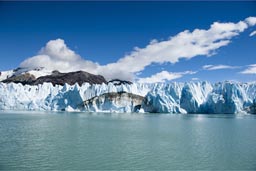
(145, 42)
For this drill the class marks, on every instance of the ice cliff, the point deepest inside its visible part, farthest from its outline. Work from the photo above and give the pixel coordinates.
(191, 97)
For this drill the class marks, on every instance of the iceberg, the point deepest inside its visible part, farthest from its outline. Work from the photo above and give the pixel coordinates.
(190, 97)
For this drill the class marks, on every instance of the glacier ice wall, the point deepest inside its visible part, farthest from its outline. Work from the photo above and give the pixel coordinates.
(230, 98)
(164, 98)
(191, 97)
(114, 102)
(202, 97)
(47, 97)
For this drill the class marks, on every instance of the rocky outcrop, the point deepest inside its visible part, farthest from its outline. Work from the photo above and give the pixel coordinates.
(57, 78)
(116, 102)
(23, 79)
(71, 78)
(117, 82)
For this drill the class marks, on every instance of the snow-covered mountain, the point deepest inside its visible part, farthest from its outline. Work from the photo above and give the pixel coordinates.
(192, 97)
(36, 72)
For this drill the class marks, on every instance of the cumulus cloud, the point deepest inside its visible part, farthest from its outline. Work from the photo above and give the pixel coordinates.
(57, 56)
(218, 67)
(253, 33)
(185, 45)
(250, 70)
(164, 76)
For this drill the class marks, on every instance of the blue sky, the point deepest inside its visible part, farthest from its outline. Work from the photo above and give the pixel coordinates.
(98, 34)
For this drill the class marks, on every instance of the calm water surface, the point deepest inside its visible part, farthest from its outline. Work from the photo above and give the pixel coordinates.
(79, 141)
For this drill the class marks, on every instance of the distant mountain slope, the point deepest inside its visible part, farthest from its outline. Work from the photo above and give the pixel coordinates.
(23, 79)
(56, 78)
(71, 78)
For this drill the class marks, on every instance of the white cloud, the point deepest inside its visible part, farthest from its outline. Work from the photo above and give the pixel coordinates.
(250, 70)
(251, 21)
(218, 67)
(164, 76)
(253, 33)
(57, 56)
(184, 45)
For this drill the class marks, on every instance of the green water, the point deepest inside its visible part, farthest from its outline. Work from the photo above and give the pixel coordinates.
(79, 141)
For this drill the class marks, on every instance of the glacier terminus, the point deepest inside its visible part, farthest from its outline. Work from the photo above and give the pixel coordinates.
(187, 98)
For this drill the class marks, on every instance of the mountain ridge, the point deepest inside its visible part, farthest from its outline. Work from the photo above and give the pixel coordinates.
(24, 77)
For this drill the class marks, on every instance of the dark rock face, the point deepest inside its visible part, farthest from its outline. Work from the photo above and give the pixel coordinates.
(23, 79)
(119, 82)
(58, 78)
(71, 78)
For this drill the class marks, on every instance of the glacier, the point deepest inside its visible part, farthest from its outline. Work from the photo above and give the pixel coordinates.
(189, 97)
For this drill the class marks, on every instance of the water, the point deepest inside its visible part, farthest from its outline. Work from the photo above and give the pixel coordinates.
(79, 141)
